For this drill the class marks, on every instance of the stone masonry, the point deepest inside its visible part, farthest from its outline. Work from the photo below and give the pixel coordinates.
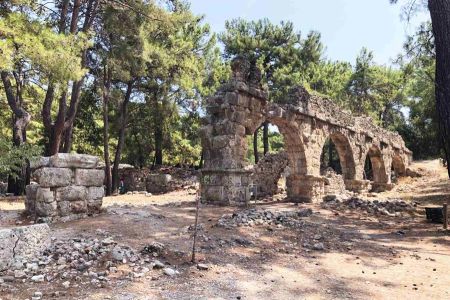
(305, 121)
(68, 185)
(267, 173)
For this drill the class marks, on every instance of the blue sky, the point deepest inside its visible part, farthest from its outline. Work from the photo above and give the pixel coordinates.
(346, 25)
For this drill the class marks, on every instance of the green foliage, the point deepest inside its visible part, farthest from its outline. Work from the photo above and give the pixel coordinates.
(12, 158)
(30, 42)
(283, 56)
(276, 143)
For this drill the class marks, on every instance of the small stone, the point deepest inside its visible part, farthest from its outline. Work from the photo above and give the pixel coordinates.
(38, 278)
(318, 246)
(169, 272)
(202, 267)
(158, 265)
(66, 284)
(19, 274)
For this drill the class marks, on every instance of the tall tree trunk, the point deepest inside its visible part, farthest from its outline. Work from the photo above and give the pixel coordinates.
(330, 154)
(21, 119)
(106, 88)
(123, 119)
(158, 130)
(55, 137)
(255, 146)
(440, 19)
(266, 137)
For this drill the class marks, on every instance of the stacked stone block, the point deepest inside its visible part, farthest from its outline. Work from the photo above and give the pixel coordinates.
(67, 185)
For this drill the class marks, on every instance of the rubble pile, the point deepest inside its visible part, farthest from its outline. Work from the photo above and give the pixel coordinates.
(267, 172)
(334, 183)
(163, 180)
(81, 261)
(254, 216)
(375, 207)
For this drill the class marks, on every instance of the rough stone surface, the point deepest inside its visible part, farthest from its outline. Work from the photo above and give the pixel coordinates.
(89, 177)
(20, 244)
(66, 160)
(66, 192)
(53, 177)
(71, 193)
(267, 172)
(306, 121)
(43, 161)
(95, 193)
(31, 192)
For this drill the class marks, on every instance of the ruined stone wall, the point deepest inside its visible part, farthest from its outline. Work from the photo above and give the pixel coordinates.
(68, 185)
(334, 183)
(305, 121)
(267, 173)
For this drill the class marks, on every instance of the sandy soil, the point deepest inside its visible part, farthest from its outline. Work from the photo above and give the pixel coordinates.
(365, 257)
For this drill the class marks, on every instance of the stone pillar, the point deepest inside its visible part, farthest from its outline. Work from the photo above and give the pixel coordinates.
(225, 187)
(68, 185)
(234, 112)
(305, 188)
(357, 186)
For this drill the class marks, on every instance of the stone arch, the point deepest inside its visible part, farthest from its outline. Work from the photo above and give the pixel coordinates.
(378, 165)
(398, 164)
(345, 153)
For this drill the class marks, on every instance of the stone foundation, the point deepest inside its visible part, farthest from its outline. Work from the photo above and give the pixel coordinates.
(226, 187)
(305, 188)
(68, 185)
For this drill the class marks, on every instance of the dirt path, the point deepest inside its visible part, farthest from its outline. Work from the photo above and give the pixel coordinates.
(363, 257)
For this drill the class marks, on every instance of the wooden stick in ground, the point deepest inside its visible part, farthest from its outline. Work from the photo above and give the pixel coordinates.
(445, 215)
(197, 200)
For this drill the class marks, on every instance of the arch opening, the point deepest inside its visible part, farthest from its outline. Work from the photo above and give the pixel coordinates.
(398, 168)
(337, 155)
(266, 152)
(374, 167)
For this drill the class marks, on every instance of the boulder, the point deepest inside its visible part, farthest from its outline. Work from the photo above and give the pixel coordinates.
(24, 243)
(70, 160)
(54, 177)
(89, 178)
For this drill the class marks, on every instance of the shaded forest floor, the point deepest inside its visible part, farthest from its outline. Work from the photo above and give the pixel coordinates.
(363, 256)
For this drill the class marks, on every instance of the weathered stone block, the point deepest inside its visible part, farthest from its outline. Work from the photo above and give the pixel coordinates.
(78, 207)
(94, 206)
(54, 177)
(44, 195)
(89, 177)
(71, 193)
(31, 193)
(69, 160)
(22, 243)
(63, 208)
(95, 193)
(43, 161)
(44, 209)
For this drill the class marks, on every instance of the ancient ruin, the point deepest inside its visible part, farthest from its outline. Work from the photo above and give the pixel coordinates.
(68, 185)
(305, 121)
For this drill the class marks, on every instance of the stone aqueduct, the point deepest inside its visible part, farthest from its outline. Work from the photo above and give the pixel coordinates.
(305, 121)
